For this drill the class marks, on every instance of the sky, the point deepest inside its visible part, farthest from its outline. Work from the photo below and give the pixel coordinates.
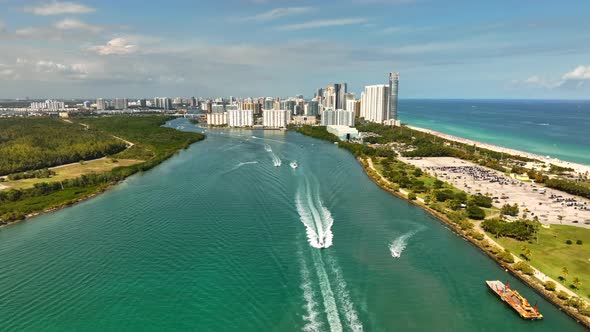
(441, 48)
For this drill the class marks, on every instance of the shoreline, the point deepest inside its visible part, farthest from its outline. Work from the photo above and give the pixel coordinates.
(578, 168)
(536, 285)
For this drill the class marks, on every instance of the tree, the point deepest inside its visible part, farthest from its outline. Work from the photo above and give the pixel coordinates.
(475, 212)
(412, 196)
(550, 286)
(526, 252)
(577, 283)
(564, 273)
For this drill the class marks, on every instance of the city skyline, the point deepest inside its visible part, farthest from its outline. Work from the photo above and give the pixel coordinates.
(94, 49)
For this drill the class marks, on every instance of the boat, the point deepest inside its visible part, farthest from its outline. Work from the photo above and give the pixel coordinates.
(514, 300)
(294, 165)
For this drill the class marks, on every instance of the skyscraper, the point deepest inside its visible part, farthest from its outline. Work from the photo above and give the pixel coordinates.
(393, 88)
(375, 103)
(340, 90)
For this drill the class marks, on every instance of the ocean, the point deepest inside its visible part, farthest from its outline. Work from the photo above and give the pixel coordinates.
(560, 129)
(218, 238)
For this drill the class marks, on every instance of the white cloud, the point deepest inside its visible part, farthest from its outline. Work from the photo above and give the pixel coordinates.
(2, 26)
(571, 80)
(277, 13)
(58, 8)
(322, 23)
(75, 24)
(117, 46)
(579, 74)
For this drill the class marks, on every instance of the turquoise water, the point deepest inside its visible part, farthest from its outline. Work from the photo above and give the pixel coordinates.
(559, 129)
(213, 240)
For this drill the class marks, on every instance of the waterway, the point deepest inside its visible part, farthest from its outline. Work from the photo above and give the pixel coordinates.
(218, 238)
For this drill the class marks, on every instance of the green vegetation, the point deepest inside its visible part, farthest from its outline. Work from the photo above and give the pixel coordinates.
(569, 186)
(522, 230)
(37, 174)
(147, 134)
(510, 210)
(355, 148)
(30, 144)
(551, 254)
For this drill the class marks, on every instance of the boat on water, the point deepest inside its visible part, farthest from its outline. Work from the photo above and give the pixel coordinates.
(294, 165)
(514, 300)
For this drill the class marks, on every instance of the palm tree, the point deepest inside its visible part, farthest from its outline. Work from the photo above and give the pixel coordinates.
(565, 272)
(577, 282)
(526, 252)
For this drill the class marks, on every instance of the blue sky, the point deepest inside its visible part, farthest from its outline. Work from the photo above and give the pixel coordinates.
(442, 48)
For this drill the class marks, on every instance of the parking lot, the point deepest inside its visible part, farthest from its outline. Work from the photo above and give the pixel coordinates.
(550, 206)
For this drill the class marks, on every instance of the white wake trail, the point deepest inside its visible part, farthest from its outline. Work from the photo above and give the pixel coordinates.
(315, 216)
(312, 324)
(267, 148)
(398, 245)
(345, 301)
(327, 294)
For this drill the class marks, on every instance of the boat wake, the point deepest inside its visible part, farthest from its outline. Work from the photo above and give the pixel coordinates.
(242, 164)
(276, 161)
(397, 246)
(346, 304)
(311, 318)
(315, 216)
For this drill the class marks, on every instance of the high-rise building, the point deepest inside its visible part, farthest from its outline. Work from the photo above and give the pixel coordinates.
(101, 105)
(275, 118)
(268, 103)
(288, 105)
(217, 119)
(375, 103)
(340, 90)
(256, 107)
(48, 105)
(240, 118)
(393, 90)
(218, 108)
(354, 106)
(193, 102)
(337, 118)
(312, 108)
(121, 103)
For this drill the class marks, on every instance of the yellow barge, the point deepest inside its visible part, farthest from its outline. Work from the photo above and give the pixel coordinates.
(514, 300)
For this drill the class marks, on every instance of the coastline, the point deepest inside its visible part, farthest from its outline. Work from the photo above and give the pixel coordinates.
(102, 188)
(578, 168)
(531, 281)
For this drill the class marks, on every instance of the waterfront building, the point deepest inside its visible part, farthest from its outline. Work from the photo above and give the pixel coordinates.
(344, 133)
(193, 102)
(375, 103)
(217, 119)
(232, 107)
(393, 90)
(240, 118)
(337, 117)
(142, 103)
(304, 120)
(275, 118)
(340, 90)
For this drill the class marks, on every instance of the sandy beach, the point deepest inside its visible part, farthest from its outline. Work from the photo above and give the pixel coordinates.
(579, 168)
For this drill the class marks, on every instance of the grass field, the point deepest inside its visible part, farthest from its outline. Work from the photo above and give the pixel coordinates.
(72, 171)
(551, 254)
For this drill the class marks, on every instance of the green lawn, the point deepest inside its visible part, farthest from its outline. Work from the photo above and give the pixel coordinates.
(72, 171)
(551, 253)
